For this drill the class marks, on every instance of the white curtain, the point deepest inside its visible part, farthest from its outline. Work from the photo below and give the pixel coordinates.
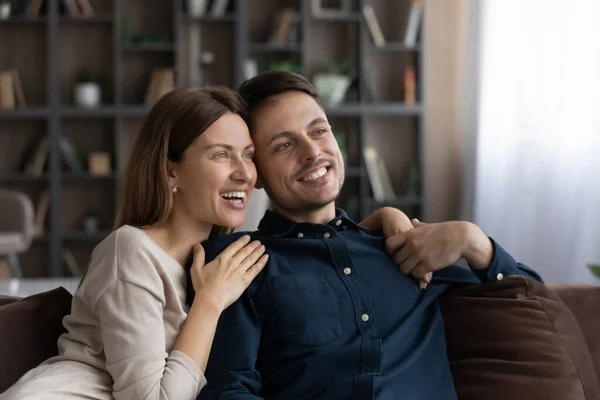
(537, 183)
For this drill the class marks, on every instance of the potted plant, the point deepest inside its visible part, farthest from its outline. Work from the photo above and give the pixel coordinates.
(87, 89)
(333, 84)
(4, 9)
(595, 268)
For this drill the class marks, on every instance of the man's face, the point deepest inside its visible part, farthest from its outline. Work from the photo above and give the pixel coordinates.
(299, 162)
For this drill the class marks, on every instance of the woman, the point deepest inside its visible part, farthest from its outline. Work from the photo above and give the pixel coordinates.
(130, 334)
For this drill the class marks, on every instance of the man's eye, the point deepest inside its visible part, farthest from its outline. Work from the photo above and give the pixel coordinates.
(283, 146)
(322, 131)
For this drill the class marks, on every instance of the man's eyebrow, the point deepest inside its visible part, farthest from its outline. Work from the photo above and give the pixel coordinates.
(288, 134)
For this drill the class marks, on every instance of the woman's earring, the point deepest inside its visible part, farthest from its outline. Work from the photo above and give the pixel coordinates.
(174, 190)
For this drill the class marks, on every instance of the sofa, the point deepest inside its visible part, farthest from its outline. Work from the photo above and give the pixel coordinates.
(515, 339)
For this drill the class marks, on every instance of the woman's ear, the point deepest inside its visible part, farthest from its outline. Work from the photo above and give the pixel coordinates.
(171, 173)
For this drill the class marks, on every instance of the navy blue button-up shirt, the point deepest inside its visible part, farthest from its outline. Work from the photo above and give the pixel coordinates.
(332, 317)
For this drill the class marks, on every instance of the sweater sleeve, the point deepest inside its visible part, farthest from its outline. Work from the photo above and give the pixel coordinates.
(130, 309)
(133, 336)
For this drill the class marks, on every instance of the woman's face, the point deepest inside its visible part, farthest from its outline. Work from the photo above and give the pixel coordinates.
(216, 175)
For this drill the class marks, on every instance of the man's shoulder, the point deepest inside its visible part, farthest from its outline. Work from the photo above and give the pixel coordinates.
(214, 245)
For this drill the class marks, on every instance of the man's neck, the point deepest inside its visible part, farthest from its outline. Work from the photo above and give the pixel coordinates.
(320, 216)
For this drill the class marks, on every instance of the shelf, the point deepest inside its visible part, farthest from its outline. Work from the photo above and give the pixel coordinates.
(72, 111)
(29, 112)
(16, 177)
(397, 202)
(134, 110)
(44, 237)
(22, 20)
(273, 48)
(84, 236)
(398, 47)
(99, 18)
(351, 17)
(353, 172)
(385, 109)
(228, 17)
(149, 48)
(85, 176)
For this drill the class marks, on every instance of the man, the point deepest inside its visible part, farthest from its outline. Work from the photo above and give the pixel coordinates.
(331, 317)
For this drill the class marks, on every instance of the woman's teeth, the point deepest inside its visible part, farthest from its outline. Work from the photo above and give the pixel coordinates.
(315, 175)
(234, 197)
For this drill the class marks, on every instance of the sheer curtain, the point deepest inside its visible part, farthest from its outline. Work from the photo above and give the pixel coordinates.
(537, 183)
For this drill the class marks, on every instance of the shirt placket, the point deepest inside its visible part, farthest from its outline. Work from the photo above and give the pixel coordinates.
(371, 340)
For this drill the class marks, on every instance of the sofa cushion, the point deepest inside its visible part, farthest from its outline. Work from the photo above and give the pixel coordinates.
(516, 339)
(30, 330)
(584, 302)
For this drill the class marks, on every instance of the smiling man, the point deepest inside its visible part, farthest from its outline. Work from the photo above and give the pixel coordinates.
(331, 316)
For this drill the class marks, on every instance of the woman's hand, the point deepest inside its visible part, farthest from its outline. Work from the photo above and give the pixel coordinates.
(223, 280)
(395, 222)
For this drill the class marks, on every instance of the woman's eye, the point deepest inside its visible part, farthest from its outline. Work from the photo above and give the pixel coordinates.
(220, 156)
(249, 155)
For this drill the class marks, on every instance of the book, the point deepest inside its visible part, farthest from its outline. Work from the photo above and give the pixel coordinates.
(161, 82)
(413, 24)
(41, 213)
(7, 96)
(282, 30)
(410, 92)
(85, 8)
(373, 25)
(18, 89)
(378, 176)
(219, 7)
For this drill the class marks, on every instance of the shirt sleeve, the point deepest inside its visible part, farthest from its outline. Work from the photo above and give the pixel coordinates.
(503, 264)
(132, 332)
(231, 370)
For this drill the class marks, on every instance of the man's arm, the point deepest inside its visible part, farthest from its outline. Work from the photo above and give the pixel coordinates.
(231, 371)
(433, 247)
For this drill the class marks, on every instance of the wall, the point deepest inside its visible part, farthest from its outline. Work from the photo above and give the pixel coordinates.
(447, 37)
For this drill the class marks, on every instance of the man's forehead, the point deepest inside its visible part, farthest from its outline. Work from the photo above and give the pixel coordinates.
(288, 111)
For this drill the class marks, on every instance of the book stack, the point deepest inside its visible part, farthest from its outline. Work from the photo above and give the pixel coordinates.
(11, 90)
(161, 82)
(78, 8)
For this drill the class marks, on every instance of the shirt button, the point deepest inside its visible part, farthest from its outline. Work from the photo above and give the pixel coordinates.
(365, 317)
(500, 276)
(301, 235)
(347, 271)
(338, 222)
(326, 235)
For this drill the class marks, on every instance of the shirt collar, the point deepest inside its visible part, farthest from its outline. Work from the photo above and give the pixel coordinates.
(273, 224)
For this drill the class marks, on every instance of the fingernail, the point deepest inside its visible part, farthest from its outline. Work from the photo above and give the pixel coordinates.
(422, 285)
(427, 279)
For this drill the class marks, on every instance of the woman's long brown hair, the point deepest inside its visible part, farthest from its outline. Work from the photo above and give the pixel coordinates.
(174, 122)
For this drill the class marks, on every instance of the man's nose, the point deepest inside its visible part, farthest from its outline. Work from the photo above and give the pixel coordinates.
(311, 151)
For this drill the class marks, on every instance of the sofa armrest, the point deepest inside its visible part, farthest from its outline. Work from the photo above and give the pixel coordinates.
(584, 302)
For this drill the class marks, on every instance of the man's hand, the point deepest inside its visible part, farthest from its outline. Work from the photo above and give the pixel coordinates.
(431, 247)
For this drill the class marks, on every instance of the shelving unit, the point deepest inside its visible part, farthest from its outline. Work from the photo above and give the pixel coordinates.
(52, 49)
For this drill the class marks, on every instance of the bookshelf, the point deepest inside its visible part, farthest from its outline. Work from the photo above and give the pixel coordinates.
(124, 41)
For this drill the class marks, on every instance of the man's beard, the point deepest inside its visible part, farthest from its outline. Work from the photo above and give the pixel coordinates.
(294, 206)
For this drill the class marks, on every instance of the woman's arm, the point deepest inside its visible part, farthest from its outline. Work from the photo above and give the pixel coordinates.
(387, 220)
(132, 323)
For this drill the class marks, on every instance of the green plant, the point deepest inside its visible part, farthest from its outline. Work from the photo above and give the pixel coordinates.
(343, 67)
(595, 269)
(285, 65)
(88, 75)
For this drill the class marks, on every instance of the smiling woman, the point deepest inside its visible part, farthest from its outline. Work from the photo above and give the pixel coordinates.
(130, 334)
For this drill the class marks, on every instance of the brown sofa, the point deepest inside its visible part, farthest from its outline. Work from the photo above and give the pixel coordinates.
(511, 340)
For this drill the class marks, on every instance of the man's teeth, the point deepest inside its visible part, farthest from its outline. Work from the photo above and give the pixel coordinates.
(315, 175)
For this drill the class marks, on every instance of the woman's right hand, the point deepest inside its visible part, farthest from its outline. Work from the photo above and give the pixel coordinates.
(223, 280)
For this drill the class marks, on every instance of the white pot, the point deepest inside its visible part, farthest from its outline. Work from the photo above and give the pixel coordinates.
(332, 88)
(197, 8)
(4, 10)
(87, 95)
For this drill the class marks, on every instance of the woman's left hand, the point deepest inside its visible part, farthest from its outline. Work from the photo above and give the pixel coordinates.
(394, 222)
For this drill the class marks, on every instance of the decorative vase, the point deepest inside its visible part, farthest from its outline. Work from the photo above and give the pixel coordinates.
(332, 88)
(197, 8)
(4, 10)
(87, 95)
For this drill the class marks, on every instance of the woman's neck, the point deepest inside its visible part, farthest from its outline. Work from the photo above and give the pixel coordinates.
(179, 235)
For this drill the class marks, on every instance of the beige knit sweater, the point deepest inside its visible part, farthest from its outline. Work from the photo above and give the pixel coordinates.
(124, 322)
